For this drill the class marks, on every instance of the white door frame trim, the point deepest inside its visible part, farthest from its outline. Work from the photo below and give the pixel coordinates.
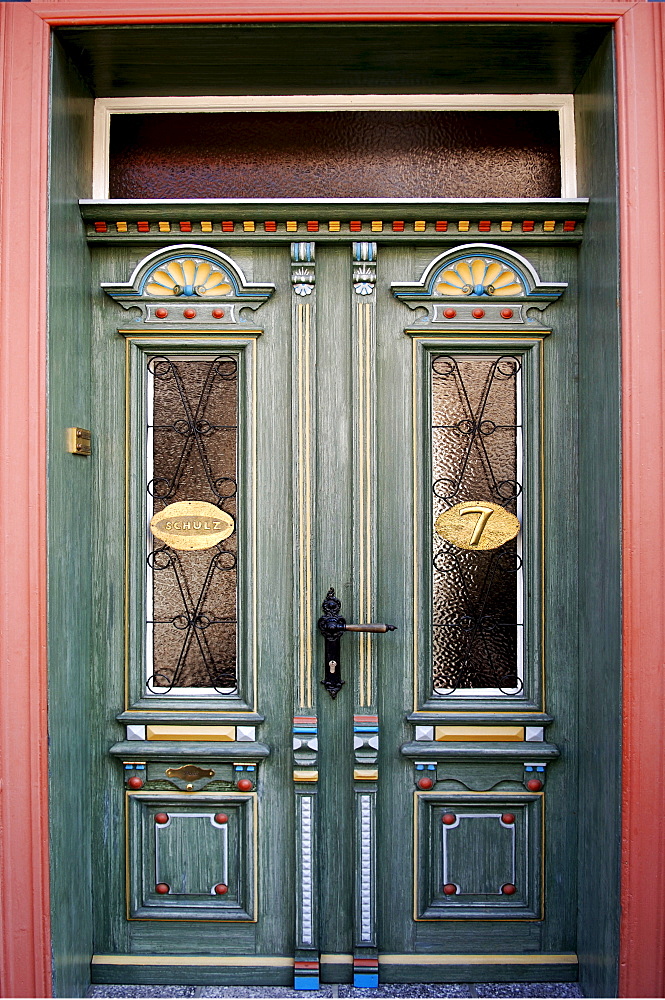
(563, 104)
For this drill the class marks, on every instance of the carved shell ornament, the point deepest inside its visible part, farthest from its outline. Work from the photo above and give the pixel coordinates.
(481, 283)
(188, 276)
(479, 276)
(190, 283)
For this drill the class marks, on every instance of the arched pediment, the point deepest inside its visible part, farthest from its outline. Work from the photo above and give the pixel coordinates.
(178, 280)
(478, 278)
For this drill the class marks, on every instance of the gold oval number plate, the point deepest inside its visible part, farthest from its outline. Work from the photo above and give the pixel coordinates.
(191, 524)
(477, 524)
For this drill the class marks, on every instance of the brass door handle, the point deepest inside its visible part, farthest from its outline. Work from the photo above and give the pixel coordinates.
(332, 626)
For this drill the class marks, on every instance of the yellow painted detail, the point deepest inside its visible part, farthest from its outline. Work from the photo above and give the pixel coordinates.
(334, 227)
(206, 227)
(121, 227)
(567, 959)
(164, 227)
(292, 227)
(211, 734)
(463, 226)
(336, 959)
(203, 960)
(176, 274)
(506, 227)
(365, 774)
(249, 227)
(465, 275)
(548, 226)
(419, 227)
(305, 775)
(377, 227)
(479, 734)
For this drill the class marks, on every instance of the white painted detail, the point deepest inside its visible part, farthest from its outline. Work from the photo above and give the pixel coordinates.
(107, 106)
(306, 862)
(135, 732)
(424, 732)
(245, 734)
(534, 734)
(366, 866)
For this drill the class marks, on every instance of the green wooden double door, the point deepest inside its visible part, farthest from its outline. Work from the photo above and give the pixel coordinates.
(365, 417)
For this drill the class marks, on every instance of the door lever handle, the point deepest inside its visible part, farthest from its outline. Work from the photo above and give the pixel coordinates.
(370, 628)
(332, 626)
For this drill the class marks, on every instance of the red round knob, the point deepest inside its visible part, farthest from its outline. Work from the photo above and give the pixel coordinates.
(161, 818)
(450, 313)
(507, 313)
(425, 783)
(508, 818)
(450, 889)
(478, 313)
(448, 818)
(135, 782)
(534, 784)
(218, 313)
(161, 313)
(221, 818)
(508, 889)
(162, 888)
(221, 889)
(245, 785)
(189, 313)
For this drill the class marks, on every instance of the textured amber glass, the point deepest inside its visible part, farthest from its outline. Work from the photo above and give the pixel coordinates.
(192, 445)
(336, 154)
(476, 446)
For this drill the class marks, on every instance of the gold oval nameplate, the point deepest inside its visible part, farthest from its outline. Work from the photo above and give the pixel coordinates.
(191, 524)
(477, 524)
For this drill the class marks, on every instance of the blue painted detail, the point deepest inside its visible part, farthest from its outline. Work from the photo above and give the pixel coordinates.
(238, 767)
(188, 290)
(365, 729)
(366, 980)
(364, 251)
(431, 767)
(420, 767)
(305, 982)
(305, 730)
(478, 289)
(540, 768)
(528, 767)
(251, 767)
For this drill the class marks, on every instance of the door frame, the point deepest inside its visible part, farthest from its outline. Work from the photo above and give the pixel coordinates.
(640, 48)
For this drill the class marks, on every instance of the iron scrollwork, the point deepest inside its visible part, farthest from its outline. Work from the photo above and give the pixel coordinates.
(196, 641)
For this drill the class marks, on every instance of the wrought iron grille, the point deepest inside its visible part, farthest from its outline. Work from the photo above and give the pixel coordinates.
(476, 445)
(192, 454)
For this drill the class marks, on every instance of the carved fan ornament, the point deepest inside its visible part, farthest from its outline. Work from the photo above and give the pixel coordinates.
(461, 287)
(479, 276)
(187, 284)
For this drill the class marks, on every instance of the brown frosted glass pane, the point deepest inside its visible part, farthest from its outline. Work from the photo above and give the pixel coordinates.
(193, 443)
(337, 154)
(476, 437)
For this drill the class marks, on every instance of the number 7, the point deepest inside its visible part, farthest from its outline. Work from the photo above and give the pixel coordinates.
(484, 514)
